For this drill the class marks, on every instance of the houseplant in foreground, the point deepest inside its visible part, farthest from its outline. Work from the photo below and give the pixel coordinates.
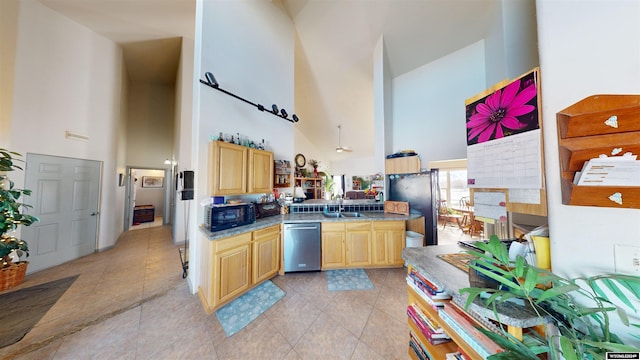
(11, 273)
(582, 309)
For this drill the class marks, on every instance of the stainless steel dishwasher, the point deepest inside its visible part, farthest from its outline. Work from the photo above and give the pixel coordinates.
(302, 247)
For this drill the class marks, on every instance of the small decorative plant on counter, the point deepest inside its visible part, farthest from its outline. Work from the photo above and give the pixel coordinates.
(12, 273)
(582, 308)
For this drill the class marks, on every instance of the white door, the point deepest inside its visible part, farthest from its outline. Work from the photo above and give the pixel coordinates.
(65, 198)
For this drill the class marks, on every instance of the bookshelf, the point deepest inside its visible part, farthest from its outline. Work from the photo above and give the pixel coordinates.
(312, 186)
(459, 323)
(282, 173)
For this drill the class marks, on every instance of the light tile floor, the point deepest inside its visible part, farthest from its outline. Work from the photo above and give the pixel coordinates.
(130, 302)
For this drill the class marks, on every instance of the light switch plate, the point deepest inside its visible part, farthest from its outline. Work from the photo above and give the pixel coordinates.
(627, 259)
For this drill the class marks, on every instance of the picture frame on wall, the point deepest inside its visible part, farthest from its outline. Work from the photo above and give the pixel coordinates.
(152, 181)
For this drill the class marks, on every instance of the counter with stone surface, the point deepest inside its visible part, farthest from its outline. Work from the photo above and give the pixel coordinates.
(451, 279)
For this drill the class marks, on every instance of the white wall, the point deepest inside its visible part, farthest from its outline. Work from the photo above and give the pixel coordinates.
(599, 53)
(248, 46)
(69, 78)
(182, 135)
(150, 125)
(428, 105)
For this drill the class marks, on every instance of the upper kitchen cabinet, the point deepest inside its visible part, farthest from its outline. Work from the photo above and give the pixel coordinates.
(235, 169)
(403, 165)
(260, 171)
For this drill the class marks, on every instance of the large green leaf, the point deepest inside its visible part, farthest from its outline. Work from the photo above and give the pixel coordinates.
(555, 291)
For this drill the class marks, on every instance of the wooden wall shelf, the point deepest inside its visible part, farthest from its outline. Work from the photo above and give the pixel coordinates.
(599, 124)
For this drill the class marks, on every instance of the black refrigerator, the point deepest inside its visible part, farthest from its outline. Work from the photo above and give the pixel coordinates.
(422, 191)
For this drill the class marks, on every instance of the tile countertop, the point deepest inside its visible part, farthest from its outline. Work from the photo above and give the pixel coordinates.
(452, 279)
(298, 218)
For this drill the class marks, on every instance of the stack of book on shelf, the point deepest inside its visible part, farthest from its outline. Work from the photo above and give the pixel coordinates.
(427, 290)
(458, 355)
(431, 330)
(416, 346)
(467, 328)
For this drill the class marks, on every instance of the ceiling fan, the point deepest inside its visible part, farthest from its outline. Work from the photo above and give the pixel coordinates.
(341, 148)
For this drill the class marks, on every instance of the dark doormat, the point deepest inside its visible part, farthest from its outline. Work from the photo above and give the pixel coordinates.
(22, 309)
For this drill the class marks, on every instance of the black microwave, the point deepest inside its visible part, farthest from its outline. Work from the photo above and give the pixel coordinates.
(222, 217)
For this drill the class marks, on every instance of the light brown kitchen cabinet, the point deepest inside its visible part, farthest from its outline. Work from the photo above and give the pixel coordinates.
(402, 165)
(227, 168)
(236, 170)
(358, 248)
(266, 253)
(226, 273)
(233, 265)
(353, 244)
(333, 245)
(389, 238)
(260, 171)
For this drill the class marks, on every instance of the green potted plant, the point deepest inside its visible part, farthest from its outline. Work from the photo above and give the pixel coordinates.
(581, 309)
(12, 273)
(328, 185)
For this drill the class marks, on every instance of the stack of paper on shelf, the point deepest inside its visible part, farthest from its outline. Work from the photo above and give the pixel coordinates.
(610, 171)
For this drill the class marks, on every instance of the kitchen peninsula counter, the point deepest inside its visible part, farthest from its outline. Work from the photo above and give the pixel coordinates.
(451, 279)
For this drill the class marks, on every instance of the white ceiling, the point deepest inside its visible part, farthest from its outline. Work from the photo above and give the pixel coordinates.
(342, 34)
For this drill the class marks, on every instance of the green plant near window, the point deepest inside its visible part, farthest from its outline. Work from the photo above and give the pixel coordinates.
(581, 308)
(328, 183)
(10, 210)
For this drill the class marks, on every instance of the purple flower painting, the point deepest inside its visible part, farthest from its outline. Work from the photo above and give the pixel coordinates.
(510, 110)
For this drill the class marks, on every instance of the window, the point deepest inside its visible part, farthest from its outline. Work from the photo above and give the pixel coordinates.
(453, 180)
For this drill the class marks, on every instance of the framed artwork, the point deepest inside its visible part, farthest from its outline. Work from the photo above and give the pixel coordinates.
(152, 181)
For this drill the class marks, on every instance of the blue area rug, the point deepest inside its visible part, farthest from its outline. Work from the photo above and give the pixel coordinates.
(242, 311)
(348, 279)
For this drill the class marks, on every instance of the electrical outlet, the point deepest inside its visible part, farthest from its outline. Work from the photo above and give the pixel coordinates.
(627, 259)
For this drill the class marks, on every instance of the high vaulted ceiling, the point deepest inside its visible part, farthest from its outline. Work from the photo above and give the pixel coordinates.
(339, 35)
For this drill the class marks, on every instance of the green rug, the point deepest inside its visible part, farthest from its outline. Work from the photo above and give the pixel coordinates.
(22, 309)
(242, 311)
(348, 279)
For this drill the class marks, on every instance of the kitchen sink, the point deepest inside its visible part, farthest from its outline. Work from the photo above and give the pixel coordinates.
(332, 214)
(352, 214)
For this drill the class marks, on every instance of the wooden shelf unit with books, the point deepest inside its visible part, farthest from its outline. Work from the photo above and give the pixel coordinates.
(465, 340)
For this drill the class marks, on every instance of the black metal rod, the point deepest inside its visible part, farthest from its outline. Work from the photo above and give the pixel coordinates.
(258, 106)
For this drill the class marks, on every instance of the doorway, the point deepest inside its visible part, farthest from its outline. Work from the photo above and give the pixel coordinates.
(148, 196)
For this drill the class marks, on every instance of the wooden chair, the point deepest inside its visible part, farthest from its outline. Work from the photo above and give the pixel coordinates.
(446, 216)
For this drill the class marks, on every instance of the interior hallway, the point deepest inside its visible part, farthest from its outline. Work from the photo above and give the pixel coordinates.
(131, 302)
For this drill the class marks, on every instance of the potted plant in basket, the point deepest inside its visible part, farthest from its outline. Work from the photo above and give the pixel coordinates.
(581, 309)
(12, 273)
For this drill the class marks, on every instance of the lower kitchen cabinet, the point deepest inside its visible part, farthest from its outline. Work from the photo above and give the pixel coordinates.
(333, 246)
(362, 244)
(358, 244)
(233, 265)
(389, 238)
(266, 253)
